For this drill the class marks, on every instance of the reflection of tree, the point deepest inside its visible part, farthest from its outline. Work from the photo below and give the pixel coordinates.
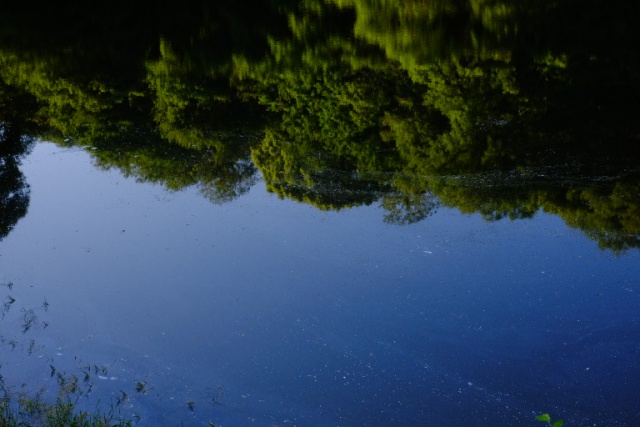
(16, 110)
(317, 177)
(405, 208)
(110, 103)
(14, 194)
(347, 102)
(416, 32)
(606, 211)
(604, 208)
(186, 100)
(221, 175)
(327, 137)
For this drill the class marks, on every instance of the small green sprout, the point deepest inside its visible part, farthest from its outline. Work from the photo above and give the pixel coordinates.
(547, 419)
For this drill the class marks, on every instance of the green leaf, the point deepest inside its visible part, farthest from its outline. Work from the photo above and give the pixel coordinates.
(558, 423)
(544, 417)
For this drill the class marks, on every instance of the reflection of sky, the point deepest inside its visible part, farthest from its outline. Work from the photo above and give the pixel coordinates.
(322, 318)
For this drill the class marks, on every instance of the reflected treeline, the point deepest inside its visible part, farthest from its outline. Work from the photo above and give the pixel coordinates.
(16, 128)
(488, 106)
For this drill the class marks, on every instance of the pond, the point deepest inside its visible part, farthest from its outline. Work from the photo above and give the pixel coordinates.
(306, 215)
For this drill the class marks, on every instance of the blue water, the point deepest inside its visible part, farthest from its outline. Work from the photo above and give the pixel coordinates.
(267, 312)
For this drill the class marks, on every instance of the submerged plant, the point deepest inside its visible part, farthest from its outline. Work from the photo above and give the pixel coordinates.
(7, 305)
(29, 319)
(121, 397)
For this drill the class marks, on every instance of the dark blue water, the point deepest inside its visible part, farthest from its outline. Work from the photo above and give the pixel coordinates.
(267, 312)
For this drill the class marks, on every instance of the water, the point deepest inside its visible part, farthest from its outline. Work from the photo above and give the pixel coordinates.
(320, 212)
(264, 311)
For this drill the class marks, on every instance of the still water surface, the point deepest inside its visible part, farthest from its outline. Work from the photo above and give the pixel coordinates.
(323, 212)
(264, 311)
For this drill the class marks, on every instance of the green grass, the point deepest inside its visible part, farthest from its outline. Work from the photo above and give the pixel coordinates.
(25, 411)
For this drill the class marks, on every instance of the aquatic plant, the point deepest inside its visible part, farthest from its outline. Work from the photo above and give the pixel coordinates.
(141, 386)
(22, 410)
(66, 403)
(41, 408)
(547, 419)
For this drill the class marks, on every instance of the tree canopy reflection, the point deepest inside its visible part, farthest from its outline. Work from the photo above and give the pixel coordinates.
(14, 144)
(487, 106)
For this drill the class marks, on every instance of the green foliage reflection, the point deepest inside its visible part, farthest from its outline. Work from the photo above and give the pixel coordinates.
(488, 106)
